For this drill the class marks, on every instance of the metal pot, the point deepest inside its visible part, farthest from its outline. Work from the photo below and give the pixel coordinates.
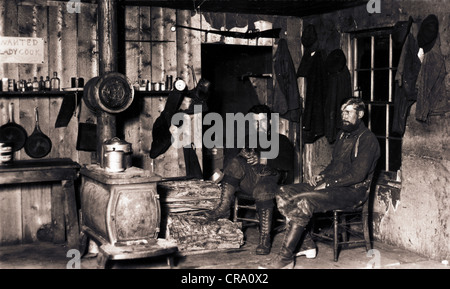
(116, 155)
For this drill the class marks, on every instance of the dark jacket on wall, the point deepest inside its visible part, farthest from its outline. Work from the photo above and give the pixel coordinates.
(431, 93)
(339, 87)
(312, 67)
(405, 83)
(286, 99)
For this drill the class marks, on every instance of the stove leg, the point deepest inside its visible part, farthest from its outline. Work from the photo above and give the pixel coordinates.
(101, 261)
(170, 261)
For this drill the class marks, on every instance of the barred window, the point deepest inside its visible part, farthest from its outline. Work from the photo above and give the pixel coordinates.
(375, 61)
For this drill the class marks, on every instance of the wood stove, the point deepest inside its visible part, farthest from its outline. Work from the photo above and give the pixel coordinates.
(121, 212)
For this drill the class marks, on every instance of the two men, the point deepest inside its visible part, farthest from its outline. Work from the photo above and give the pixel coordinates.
(342, 184)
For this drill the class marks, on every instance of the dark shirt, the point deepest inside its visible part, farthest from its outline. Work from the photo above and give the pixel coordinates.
(284, 162)
(354, 158)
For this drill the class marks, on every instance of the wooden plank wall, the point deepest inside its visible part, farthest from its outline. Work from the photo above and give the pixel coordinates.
(70, 39)
(178, 53)
(70, 45)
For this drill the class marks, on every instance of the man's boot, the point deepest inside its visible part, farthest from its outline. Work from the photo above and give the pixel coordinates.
(265, 227)
(285, 258)
(226, 198)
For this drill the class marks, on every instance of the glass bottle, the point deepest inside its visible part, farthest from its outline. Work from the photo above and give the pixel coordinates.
(22, 85)
(55, 82)
(47, 84)
(29, 85)
(35, 84)
(41, 83)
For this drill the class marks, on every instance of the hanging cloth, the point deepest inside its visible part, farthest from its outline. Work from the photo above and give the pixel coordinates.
(286, 99)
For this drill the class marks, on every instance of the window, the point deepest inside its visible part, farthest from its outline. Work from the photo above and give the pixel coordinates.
(375, 61)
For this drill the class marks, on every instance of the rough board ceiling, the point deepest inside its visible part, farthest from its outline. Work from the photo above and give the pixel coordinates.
(298, 8)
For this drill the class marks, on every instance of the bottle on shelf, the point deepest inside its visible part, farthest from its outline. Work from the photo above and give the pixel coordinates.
(22, 85)
(29, 85)
(47, 84)
(35, 84)
(41, 83)
(55, 82)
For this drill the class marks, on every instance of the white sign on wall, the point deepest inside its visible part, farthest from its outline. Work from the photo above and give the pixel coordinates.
(21, 50)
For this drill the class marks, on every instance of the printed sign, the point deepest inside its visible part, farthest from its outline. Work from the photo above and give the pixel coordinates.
(21, 50)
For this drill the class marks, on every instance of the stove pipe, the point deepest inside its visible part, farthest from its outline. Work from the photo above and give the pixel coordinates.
(108, 47)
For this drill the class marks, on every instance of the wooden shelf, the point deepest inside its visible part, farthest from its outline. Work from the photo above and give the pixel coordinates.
(37, 93)
(63, 93)
(152, 93)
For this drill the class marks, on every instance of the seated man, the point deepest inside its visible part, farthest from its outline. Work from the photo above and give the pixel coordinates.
(342, 184)
(257, 177)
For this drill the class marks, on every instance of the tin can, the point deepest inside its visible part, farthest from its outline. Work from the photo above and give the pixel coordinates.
(11, 85)
(169, 82)
(77, 82)
(162, 86)
(4, 84)
(155, 86)
(6, 153)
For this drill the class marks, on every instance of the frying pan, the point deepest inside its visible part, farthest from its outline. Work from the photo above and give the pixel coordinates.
(12, 132)
(38, 145)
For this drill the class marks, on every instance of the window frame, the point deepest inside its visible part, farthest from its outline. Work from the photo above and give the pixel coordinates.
(352, 49)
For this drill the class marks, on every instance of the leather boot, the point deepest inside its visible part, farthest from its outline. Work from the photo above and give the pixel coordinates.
(265, 227)
(285, 258)
(223, 210)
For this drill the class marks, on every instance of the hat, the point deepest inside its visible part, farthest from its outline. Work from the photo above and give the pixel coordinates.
(428, 33)
(309, 36)
(335, 61)
(400, 31)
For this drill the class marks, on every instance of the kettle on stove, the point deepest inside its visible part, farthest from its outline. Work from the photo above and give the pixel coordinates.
(116, 155)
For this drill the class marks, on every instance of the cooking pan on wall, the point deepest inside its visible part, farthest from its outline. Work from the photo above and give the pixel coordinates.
(38, 145)
(12, 132)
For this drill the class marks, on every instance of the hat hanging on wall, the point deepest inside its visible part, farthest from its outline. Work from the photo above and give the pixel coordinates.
(428, 33)
(335, 61)
(309, 36)
(401, 31)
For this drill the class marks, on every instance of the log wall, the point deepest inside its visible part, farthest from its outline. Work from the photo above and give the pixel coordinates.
(70, 50)
(152, 50)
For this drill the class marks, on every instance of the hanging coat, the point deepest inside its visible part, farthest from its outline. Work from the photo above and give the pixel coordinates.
(313, 69)
(405, 83)
(339, 87)
(286, 99)
(432, 98)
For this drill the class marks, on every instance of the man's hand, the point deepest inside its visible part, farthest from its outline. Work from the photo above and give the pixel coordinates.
(320, 187)
(253, 159)
(314, 180)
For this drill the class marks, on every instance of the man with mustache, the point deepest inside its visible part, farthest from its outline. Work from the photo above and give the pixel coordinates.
(342, 184)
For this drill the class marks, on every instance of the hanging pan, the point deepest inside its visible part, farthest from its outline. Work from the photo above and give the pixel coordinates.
(12, 132)
(38, 145)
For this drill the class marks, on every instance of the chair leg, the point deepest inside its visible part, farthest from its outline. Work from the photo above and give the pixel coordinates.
(344, 231)
(235, 211)
(335, 236)
(365, 220)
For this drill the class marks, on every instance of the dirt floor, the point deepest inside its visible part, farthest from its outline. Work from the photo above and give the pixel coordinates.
(45, 255)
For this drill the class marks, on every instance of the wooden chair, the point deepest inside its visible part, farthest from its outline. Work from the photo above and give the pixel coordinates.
(246, 202)
(342, 223)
